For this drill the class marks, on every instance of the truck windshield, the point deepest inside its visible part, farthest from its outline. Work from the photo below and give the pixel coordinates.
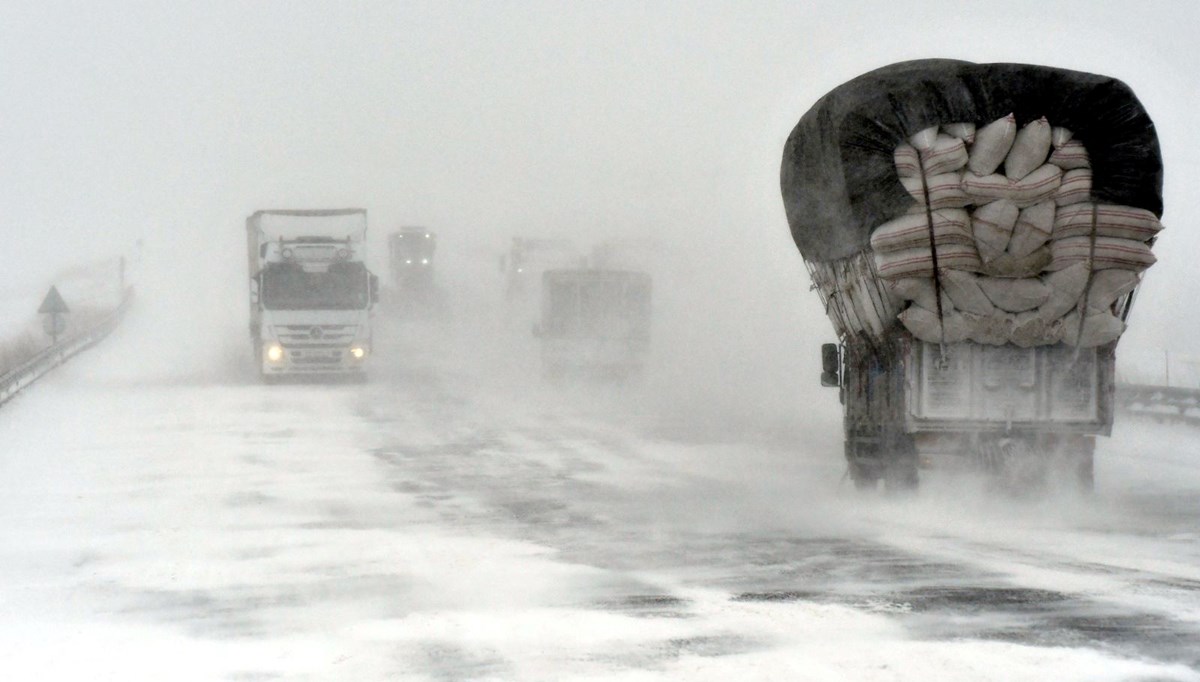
(288, 287)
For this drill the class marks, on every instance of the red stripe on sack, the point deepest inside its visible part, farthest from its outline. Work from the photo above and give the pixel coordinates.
(943, 188)
(936, 154)
(1048, 181)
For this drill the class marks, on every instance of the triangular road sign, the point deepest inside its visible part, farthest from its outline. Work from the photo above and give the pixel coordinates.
(53, 303)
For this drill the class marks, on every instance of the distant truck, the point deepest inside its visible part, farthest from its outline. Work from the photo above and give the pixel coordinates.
(410, 259)
(594, 323)
(976, 233)
(311, 294)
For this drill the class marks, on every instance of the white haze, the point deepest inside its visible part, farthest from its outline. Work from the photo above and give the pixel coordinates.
(169, 123)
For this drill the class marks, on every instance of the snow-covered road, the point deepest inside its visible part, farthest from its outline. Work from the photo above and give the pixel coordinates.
(436, 525)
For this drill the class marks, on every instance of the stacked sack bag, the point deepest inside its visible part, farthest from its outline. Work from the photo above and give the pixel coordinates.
(1020, 253)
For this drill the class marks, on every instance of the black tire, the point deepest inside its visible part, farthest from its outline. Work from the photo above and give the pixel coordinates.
(862, 462)
(865, 479)
(900, 473)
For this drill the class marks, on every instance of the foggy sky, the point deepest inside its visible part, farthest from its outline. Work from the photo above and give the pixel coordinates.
(170, 122)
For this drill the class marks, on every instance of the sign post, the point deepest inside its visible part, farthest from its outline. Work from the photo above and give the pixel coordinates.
(54, 307)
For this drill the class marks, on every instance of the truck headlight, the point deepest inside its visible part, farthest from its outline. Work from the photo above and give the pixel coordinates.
(358, 352)
(274, 352)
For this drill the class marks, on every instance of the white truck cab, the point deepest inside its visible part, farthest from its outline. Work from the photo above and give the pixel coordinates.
(311, 295)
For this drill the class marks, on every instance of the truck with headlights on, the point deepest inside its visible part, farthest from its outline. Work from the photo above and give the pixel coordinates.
(410, 258)
(311, 295)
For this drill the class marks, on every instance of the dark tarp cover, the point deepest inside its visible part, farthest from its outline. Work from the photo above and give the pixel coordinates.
(838, 177)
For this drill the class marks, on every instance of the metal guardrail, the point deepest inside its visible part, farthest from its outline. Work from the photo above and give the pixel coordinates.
(1162, 403)
(21, 376)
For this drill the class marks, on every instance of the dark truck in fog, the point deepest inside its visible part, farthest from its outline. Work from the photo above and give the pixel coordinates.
(594, 323)
(976, 233)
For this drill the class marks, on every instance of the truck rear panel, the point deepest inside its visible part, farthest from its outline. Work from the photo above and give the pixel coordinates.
(977, 388)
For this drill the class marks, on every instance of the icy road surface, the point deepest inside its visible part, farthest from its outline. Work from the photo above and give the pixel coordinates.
(434, 526)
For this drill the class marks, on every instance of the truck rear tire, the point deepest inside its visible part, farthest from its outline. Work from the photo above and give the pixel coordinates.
(865, 477)
(891, 458)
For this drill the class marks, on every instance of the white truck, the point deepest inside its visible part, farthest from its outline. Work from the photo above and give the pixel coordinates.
(594, 323)
(311, 295)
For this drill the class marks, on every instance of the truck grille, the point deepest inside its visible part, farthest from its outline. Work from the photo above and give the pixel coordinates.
(292, 334)
(316, 359)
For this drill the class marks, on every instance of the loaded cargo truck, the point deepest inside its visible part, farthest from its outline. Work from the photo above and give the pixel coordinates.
(410, 258)
(594, 323)
(976, 234)
(311, 294)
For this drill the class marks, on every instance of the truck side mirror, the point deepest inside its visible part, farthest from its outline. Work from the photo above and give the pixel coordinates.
(254, 291)
(830, 364)
(374, 289)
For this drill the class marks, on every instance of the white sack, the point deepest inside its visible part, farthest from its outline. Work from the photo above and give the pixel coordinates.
(1007, 265)
(1070, 155)
(992, 226)
(963, 131)
(1029, 150)
(925, 139)
(1030, 330)
(965, 293)
(1066, 288)
(910, 231)
(992, 143)
(948, 154)
(1014, 295)
(1121, 222)
(925, 326)
(919, 262)
(992, 330)
(919, 290)
(1033, 229)
(1076, 187)
(1123, 254)
(1038, 186)
(908, 164)
(1098, 329)
(945, 191)
(1107, 286)
(1060, 136)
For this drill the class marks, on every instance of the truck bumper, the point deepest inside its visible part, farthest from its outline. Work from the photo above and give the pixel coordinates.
(310, 360)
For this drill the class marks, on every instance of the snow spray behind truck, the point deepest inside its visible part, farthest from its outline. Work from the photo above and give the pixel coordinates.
(310, 291)
(976, 233)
